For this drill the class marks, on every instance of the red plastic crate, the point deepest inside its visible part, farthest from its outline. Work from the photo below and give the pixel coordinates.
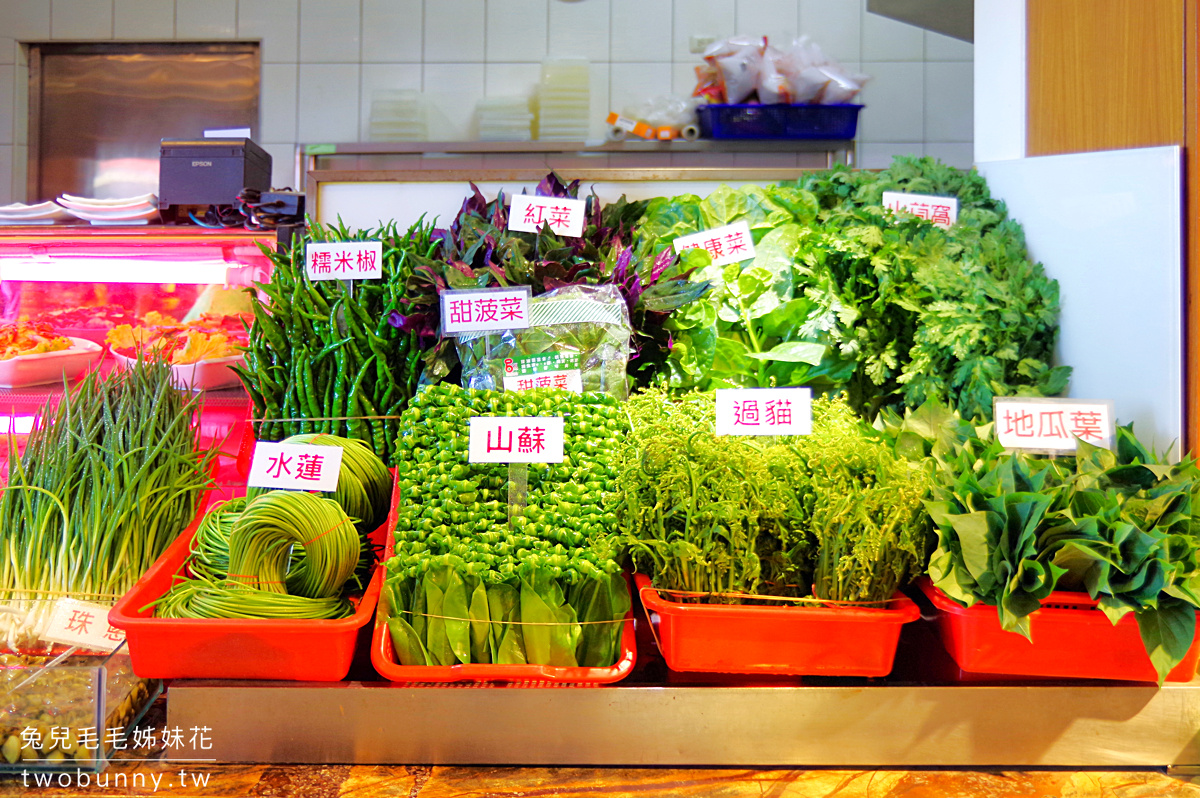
(798, 641)
(237, 648)
(1072, 639)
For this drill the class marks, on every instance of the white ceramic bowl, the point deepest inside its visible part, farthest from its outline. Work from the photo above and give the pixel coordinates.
(48, 367)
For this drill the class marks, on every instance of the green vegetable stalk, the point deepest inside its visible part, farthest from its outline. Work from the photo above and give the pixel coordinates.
(475, 579)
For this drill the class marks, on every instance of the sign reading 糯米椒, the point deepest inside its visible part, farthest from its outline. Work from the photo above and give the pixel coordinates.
(347, 260)
(515, 439)
(295, 466)
(729, 244)
(1039, 424)
(764, 411)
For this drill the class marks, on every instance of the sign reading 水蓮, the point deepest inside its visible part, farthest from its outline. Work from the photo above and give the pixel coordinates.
(729, 244)
(481, 310)
(564, 216)
(295, 466)
(942, 211)
(81, 623)
(515, 439)
(347, 260)
(1053, 425)
(547, 370)
(764, 411)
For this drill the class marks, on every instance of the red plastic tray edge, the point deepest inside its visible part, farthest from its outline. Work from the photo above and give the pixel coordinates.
(151, 661)
(953, 613)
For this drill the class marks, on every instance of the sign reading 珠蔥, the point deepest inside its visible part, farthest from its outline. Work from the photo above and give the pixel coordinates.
(81, 623)
(764, 411)
(347, 260)
(515, 439)
(563, 215)
(1053, 425)
(295, 466)
(942, 211)
(729, 244)
(485, 309)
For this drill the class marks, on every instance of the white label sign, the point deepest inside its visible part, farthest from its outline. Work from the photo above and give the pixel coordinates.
(485, 309)
(83, 624)
(295, 466)
(349, 260)
(729, 244)
(1053, 425)
(529, 214)
(515, 439)
(764, 411)
(942, 211)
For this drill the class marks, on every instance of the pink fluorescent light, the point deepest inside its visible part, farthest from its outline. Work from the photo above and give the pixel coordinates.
(75, 269)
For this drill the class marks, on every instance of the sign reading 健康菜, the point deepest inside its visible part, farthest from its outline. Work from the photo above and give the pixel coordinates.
(1053, 425)
(81, 623)
(485, 309)
(764, 411)
(515, 439)
(729, 244)
(346, 260)
(547, 370)
(942, 211)
(295, 466)
(563, 215)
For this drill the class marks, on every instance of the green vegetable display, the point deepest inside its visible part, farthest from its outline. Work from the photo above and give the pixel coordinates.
(472, 582)
(835, 515)
(844, 295)
(107, 480)
(1013, 527)
(327, 356)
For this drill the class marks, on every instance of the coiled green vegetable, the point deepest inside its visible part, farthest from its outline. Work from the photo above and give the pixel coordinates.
(201, 598)
(210, 545)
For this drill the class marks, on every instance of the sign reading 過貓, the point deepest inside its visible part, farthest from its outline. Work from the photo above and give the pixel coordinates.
(1053, 425)
(764, 411)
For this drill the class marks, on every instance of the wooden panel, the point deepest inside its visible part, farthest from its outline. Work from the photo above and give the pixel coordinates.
(1104, 74)
(1191, 74)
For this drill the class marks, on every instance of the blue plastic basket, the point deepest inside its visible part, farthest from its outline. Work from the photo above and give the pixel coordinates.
(778, 121)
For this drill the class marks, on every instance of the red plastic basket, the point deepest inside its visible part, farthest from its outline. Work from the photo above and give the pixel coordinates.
(798, 641)
(383, 657)
(1072, 638)
(236, 648)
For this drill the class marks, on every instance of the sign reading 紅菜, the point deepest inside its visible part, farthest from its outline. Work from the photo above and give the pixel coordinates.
(295, 466)
(729, 244)
(547, 370)
(347, 260)
(81, 623)
(485, 309)
(1053, 425)
(764, 411)
(942, 211)
(563, 215)
(515, 439)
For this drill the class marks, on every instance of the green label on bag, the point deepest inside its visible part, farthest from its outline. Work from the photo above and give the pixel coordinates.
(547, 370)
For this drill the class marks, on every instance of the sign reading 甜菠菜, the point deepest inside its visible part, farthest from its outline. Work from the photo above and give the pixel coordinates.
(764, 411)
(729, 244)
(563, 215)
(347, 260)
(295, 466)
(515, 439)
(1053, 425)
(547, 370)
(485, 309)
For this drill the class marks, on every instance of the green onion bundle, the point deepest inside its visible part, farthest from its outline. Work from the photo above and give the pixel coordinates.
(108, 479)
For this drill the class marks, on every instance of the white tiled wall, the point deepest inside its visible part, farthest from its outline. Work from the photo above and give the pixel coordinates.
(324, 59)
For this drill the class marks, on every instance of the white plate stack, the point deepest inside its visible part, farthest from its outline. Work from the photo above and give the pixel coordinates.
(398, 115)
(42, 213)
(504, 119)
(128, 210)
(563, 100)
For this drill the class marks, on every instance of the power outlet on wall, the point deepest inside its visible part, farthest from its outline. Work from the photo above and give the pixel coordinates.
(698, 44)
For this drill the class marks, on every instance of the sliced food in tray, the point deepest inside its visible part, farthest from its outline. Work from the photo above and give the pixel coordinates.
(31, 353)
(200, 352)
